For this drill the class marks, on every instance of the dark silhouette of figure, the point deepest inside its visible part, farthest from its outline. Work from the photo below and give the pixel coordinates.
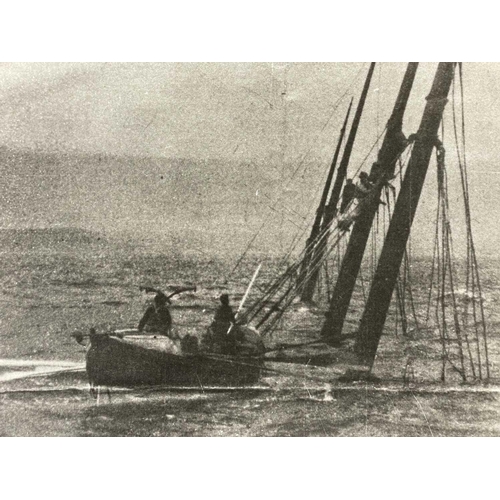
(364, 186)
(224, 315)
(347, 195)
(224, 318)
(157, 318)
(375, 173)
(361, 193)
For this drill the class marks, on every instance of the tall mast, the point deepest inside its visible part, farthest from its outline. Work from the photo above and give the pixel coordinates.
(331, 208)
(384, 281)
(393, 145)
(315, 231)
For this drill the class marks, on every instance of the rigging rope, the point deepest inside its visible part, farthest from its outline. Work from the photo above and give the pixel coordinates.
(444, 262)
(473, 268)
(294, 287)
(301, 163)
(288, 296)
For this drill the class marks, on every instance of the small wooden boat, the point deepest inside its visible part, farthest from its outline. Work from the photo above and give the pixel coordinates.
(125, 360)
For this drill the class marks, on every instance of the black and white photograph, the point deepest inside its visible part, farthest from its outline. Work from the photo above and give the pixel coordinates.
(218, 222)
(249, 249)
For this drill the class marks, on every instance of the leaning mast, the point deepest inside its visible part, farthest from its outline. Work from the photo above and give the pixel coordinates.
(320, 212)
(386, 275)
(331, 208)
(393, 145)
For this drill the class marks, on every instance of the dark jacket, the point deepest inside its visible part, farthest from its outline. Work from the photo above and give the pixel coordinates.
(223, 319)
(347, 196)
(156, 319)
(224, 314)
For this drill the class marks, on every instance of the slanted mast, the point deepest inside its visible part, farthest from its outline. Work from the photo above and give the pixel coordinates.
(393, 145)
(386, 274)
(312, 241)
(331, 209)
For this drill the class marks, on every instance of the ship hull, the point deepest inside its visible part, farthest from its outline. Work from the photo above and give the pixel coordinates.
(149, 361)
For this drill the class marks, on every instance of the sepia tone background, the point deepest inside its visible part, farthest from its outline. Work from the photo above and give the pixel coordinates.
(122, 174)
(199, 153)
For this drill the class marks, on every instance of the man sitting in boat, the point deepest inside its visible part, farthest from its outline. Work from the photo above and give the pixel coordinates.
(221, 335)
(157, 318)
(224, 316)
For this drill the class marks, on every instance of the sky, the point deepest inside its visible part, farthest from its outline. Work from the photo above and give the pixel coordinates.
(210, 147)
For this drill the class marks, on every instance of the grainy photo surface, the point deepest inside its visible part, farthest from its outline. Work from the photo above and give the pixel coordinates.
(249, 249)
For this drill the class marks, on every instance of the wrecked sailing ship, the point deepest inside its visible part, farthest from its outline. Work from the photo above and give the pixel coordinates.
(124, 358)
(461, 330)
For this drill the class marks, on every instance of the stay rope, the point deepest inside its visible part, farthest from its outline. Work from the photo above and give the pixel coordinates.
(294, 286)
(294, 173)
(465, 355)
(473, 282)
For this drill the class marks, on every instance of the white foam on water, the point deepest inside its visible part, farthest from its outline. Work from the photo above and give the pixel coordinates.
(39, 367)
(37, 362)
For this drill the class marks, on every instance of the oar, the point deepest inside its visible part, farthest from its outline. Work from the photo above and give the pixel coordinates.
(149, 289)
(79, 336)
(240, 307)
(181, 290)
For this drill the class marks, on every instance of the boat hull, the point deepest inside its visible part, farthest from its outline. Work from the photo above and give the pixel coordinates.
(127, 362)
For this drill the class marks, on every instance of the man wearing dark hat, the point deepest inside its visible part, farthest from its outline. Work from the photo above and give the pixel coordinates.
(157, 318)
